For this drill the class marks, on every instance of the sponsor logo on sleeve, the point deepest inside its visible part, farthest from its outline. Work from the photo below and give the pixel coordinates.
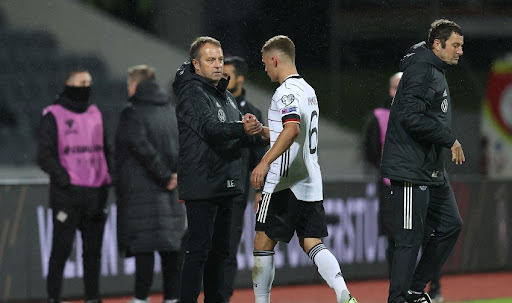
(288, 110)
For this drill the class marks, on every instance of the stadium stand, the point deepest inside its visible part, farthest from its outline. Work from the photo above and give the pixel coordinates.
(32, 71)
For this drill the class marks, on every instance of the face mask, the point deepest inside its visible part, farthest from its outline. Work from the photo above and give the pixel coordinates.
(76, 93)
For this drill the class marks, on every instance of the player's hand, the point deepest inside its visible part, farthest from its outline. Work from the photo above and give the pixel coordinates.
(257, 199)
(251, 124)
(248, 117)
(258, 175)
(457, 153)
(173, 183)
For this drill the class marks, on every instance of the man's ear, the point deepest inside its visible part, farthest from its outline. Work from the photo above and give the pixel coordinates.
(437, 44)
(274, 61)
(195, 63)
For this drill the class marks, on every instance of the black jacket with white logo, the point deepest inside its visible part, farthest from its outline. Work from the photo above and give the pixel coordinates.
(210, 133)
(419, 132)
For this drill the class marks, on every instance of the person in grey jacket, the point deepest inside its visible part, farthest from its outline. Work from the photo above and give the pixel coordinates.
(149, 216)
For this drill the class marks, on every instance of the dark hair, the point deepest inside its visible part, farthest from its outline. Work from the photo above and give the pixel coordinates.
(442, 29)
(141, 73)
(195, 47)
(241, 67)
(280, 43)
(74, 71)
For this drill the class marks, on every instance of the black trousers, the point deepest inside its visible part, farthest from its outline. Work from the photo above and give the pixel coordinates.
(86, 212)
(435, 283)
(207, 248)
(237, 225)
(414, 208)
(171, 269)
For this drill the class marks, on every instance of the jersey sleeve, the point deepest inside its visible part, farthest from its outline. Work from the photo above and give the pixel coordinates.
(288, 106)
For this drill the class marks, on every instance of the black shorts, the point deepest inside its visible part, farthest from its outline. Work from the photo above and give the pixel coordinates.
(280, 214)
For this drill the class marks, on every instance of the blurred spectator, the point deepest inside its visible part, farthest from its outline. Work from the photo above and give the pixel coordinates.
(149, 216)
(375, 134)
(210, 133)
(235, 69)
(73, 150)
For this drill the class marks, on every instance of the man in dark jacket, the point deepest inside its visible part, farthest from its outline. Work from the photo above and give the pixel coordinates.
(73, 150)
(235, 69)
(418, 136)
(210, 133)
(149, 216)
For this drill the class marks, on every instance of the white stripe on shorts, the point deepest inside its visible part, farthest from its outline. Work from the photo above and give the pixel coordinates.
(263, 207)
(407, 205)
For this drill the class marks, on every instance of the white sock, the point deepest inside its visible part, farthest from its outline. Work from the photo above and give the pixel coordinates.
(263, 275)
(329, 269)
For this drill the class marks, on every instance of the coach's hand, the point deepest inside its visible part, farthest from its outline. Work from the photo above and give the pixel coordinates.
(258, 175)
(251, 124)
(457, 153)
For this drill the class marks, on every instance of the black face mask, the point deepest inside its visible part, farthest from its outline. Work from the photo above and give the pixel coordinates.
(77, 93)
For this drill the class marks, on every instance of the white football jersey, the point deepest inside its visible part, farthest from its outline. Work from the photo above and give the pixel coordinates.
(297, 168)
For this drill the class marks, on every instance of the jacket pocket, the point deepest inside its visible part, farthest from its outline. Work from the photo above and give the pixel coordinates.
(430, 159)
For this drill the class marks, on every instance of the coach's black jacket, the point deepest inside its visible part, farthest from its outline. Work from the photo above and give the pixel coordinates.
(210, 128)
(419, 129)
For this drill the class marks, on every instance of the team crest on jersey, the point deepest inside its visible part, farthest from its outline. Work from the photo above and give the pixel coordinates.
(444, 105)
(288, 110)
(222, 115)
(181, 69)
(288, 99)
(230, 100)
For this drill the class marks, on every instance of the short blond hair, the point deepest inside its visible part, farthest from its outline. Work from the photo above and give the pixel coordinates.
(195, 47)
(282, 44)
(141, 72)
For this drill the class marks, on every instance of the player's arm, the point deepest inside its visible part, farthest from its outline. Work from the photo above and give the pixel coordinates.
(291, 131)
(265, 134)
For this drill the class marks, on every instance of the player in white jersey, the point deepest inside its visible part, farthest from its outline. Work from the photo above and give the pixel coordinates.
(297, 169)
(292, 194)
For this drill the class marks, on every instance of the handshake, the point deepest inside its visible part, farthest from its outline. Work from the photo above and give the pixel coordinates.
(251, 124)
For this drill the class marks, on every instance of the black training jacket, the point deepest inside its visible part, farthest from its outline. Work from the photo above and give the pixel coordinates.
(419, 132)
(210, 129)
